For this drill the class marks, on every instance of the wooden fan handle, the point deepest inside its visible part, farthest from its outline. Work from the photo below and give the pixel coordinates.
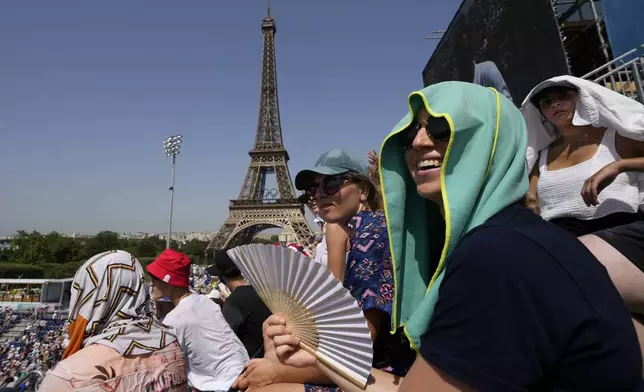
(328, 363)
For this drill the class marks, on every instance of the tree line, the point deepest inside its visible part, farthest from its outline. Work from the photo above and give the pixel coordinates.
(36, 248)
(53, 255)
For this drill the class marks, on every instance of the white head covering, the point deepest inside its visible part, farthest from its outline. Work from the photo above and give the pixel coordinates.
(596, 106)
(111, 306)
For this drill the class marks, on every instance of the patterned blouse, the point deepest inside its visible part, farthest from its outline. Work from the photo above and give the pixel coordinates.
(369, 278)
(369, 271)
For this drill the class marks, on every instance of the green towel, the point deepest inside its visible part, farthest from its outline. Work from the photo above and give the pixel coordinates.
(484, 170)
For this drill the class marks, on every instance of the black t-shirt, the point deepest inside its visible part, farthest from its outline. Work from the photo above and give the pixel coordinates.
(524, 306)
(246, 312)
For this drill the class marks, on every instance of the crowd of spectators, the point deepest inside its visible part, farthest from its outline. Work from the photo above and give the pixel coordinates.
(200, 280)
(39, 347)
(9, 320)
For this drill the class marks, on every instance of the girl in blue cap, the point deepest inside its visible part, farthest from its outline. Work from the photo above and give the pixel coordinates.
(347, 198)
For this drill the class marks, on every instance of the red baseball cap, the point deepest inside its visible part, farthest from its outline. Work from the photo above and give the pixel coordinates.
(171, 267)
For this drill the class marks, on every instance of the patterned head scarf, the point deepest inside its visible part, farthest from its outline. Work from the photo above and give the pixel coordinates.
(111, 306)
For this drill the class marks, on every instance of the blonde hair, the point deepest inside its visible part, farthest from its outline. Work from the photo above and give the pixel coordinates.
(531, 201)
(373, 200)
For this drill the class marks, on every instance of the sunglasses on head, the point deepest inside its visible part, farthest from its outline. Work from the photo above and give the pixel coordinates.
(437, 130)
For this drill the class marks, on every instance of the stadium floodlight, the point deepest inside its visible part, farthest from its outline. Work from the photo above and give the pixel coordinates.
(172, 147)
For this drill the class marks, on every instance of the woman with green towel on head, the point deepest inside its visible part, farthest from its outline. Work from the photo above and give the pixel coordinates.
(492, 297)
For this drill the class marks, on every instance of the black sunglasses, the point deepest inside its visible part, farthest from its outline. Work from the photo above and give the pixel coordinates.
(550, 97)
(329, 185)
(437, 129)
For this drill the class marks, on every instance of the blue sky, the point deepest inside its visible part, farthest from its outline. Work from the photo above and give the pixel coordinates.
(89, 90)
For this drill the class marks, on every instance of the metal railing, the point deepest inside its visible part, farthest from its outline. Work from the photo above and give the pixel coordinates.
(622, 75)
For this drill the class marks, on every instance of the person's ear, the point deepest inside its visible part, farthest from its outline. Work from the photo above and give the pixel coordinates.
(364, 192)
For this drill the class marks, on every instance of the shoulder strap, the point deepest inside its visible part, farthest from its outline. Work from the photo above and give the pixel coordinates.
(543, 160)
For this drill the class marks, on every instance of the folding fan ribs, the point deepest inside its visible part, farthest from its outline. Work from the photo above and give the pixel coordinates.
(316, 307)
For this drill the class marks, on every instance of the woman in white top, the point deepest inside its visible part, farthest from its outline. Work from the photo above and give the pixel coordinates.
(562, 168)
(588, 177)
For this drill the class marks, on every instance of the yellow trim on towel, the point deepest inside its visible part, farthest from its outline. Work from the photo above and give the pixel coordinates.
(496, 131)
(411, 341)
(446, 210)
(384, 200)
(449, 120)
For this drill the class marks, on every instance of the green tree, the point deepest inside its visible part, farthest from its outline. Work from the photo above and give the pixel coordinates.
(29, 248)
(149, 247)
(101, 242)
(61, 249)
(194, 247)
(36, 248)
(262, 241)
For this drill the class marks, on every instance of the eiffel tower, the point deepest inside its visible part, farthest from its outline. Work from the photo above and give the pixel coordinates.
(257, 208)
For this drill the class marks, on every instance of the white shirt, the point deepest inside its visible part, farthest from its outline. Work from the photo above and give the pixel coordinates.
(559, 189)
(214, 354)
(321, 253)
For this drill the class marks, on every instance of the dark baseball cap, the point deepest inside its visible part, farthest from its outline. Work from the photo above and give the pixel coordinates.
(223, 266)
(545, 87)
(336, 161)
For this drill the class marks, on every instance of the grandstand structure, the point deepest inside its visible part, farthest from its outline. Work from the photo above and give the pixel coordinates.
(49, 295)
(589, 50)
(530, 41)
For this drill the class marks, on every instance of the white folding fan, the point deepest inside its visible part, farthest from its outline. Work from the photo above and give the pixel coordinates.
(316, 307)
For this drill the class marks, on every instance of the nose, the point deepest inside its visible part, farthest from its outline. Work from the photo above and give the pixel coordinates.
(318, 193)
(422, 140)
(555, 103)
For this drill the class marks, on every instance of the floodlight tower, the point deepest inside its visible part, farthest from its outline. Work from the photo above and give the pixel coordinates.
(171, 146)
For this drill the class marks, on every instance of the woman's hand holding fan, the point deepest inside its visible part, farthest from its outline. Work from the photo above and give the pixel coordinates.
(315, 317)
(287, 346)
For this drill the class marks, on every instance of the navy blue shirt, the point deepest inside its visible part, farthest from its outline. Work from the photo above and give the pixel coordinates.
(524, 306)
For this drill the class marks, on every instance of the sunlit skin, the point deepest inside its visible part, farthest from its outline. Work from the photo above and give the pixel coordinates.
(423, 148)
(313, 206)
(558, 107)
(157, 294)
(340, 206)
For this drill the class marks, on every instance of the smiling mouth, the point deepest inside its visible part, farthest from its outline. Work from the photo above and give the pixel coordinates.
(427, 164)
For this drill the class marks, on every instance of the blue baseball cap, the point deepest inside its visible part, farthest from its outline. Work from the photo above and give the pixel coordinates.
(336, 161)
